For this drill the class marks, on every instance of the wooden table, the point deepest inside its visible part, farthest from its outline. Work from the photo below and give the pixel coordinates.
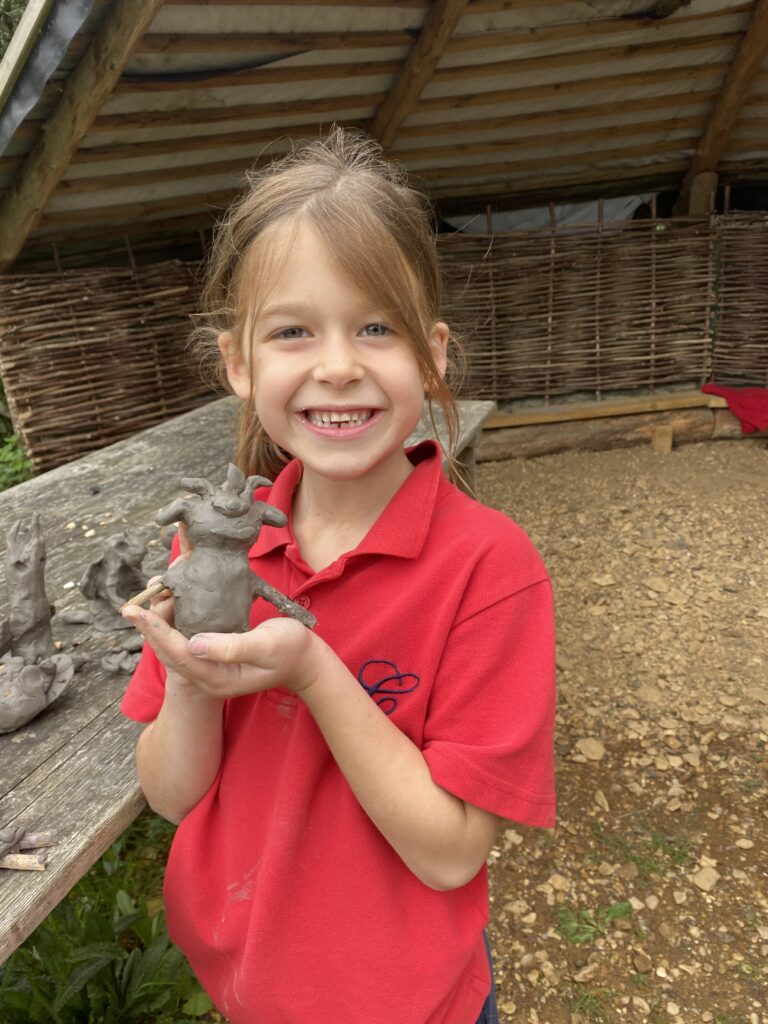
(72, 767)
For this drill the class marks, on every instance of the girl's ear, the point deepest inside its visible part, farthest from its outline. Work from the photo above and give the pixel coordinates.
(237, 366)
(438, 343)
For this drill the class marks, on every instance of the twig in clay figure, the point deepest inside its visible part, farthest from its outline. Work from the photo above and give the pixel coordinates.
(213, 584)
(32, 673)
(111, 579)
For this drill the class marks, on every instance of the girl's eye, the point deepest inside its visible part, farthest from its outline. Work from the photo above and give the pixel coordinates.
(376, 330)
(291, 333)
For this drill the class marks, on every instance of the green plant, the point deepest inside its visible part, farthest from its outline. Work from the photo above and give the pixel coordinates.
(10, 15)
(578, 926)
(592, 1005)
(652, 852)
(14, 464)
(104, 956)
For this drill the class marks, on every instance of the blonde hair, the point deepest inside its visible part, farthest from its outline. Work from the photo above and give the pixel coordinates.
(378, 233)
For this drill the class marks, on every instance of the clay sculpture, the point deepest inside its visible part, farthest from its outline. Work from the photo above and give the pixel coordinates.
(213, 585)
(29, 624)
(110, 580)
(32, 673)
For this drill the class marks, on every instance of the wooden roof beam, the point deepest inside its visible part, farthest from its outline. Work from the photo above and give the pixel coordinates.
(86, 90)
(442, 18)
(697, 192)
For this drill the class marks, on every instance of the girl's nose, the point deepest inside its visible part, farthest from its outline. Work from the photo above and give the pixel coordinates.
(337, 362)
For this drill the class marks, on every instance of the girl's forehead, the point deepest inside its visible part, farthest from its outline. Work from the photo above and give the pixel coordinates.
(298, 263)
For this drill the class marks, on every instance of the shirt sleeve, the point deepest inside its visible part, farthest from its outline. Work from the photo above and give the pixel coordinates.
(145, 692)
(489, 732)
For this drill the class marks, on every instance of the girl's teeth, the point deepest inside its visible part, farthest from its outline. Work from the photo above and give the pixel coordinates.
(338, 419)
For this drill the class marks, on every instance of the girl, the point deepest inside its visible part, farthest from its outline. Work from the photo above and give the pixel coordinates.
(339, 790)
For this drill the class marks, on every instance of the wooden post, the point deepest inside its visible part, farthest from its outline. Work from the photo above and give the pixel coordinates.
(86, 90)
(442, 18)
(701, 198)
(734, 93)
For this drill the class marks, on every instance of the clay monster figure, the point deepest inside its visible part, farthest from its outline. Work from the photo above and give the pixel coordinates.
(213, 585)
(32, 673)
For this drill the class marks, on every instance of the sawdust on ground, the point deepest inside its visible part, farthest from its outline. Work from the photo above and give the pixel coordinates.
(649, 901)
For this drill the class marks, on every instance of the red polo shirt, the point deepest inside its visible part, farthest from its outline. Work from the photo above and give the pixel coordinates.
(289, 904)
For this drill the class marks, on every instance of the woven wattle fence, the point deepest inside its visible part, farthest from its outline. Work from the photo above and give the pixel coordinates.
(740, 328)
(88, 357)
(594, 309)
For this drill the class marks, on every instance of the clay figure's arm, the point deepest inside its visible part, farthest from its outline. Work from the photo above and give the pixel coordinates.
(283, 604)
(178, 511)
(271, 516)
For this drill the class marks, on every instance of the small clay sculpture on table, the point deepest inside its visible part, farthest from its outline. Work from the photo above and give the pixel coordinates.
(16, 838)
(213, 585)
(32, 673)
(111, 579)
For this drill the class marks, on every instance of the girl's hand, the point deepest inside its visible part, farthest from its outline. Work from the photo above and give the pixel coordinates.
(279, 652)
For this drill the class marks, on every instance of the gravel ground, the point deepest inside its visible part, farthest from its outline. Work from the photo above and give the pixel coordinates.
(649, 901)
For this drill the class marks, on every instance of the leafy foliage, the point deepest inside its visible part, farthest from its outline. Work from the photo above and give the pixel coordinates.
(104, 956)
(14, 464)
(577, 926)
(10, 15)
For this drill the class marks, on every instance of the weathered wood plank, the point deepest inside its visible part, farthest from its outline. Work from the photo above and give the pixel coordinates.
(90, 804)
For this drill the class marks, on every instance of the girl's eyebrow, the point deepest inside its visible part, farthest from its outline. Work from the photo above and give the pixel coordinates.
(285, 309)
(299, 308)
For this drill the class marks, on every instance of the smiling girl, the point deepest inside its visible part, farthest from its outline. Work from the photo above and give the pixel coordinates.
(338, 790)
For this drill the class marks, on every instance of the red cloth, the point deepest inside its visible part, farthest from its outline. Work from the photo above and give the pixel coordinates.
(750, 405)
(290, 905)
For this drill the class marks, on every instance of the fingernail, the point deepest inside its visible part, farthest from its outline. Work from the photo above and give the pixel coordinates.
(198, 645)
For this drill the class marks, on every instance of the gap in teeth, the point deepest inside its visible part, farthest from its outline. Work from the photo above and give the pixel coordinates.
(339, 419)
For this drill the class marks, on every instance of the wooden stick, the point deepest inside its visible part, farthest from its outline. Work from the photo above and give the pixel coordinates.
(23, 861)
(151, 591)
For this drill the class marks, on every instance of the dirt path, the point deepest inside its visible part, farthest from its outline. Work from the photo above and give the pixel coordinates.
(649, 902)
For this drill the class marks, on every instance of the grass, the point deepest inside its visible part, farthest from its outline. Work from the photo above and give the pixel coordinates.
(653, 852)
(579, 926)
(592, 1005)
(103, 956)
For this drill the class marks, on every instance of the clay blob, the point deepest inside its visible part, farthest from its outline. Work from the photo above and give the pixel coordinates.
(112, 579)
(32, 673)
(213, 585)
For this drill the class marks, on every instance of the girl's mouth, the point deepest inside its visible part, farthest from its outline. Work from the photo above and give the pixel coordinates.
(338, 419)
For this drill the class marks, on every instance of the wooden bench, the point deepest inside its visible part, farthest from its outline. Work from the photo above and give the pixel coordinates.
(72, 768)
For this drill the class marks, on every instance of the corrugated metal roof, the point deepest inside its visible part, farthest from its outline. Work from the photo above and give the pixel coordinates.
(526, 102)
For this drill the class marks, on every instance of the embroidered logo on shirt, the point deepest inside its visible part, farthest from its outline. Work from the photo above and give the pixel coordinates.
(384, 681)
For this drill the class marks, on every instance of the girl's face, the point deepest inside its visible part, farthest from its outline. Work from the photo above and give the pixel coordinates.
(334, 382)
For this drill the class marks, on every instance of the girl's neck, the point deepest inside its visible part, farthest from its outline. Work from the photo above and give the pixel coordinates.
(331, 517)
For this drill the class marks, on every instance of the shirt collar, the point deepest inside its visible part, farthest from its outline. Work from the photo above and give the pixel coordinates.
(400, 530)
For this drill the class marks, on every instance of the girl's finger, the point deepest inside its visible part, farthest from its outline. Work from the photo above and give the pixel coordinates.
(168, 644)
